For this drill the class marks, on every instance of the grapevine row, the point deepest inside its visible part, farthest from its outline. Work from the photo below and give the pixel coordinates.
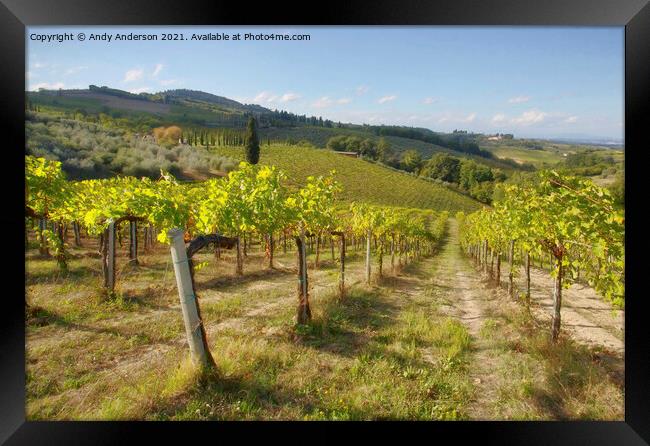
(252, 200)
(568, 219)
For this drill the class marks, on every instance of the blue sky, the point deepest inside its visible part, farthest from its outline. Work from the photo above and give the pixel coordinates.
(530, 81)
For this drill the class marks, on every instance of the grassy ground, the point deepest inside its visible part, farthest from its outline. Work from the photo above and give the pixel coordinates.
(378, 354)
(401, 348)
(361, 180)
(517, 372)
(523, 155)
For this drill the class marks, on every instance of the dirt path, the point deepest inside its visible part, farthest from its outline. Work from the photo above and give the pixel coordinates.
(450, 277)
(586, 317)
(465, 297)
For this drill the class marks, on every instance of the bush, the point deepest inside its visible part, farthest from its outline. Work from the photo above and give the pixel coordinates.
(88, 150)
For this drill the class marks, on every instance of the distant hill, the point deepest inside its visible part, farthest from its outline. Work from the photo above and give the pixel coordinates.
(93, 150)
(180, 106)
(318, 136)
(197, 109)
(540, 152)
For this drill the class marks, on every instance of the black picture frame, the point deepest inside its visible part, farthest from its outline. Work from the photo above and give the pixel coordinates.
(15, 15)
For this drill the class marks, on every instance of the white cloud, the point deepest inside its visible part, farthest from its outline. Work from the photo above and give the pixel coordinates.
(157, 69)
(75, 70)
(498, 118)
(166, 82)
(133, 75)
(429, 101)
(140, 90)
(270, 97)
(385, 99)
(288, 97)
(323, 102)
(470, 117)
(530, 117)
(519, 99)
(48, 86)
(39, 65)
(265, 96)
(326, 101)
(536, 118)
(362, 89)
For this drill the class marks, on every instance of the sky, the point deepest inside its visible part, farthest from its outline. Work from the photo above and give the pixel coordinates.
(542, 82)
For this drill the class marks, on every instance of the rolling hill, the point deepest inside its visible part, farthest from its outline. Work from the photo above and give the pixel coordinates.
(543, 153)
(361, 180)
(91, 150)
(196, 109)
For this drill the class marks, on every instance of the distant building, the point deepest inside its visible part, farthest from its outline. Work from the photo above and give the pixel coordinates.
(495, 138)
(350, 154)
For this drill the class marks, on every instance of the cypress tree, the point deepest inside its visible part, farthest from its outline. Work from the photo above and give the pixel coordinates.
(252, 142)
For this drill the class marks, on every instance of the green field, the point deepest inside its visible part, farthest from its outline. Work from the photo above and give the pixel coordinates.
(550, 153)
(523, 155)
(361, 180)
(318, 136)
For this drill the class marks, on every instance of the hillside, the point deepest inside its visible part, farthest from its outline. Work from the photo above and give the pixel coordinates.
(318, 136)
(188, 108)
(361, 180)
(93, 150)
(542, 153)
(144, 111)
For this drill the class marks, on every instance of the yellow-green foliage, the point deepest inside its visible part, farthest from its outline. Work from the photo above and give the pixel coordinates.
(361, 180)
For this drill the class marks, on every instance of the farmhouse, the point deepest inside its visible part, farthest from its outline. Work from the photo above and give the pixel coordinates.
(350, 154)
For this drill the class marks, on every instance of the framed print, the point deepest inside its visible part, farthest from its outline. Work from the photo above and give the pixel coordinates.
(412, 214)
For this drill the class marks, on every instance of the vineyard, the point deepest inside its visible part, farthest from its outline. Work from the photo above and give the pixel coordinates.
(360, 180)
(568, 220)
(304, 301)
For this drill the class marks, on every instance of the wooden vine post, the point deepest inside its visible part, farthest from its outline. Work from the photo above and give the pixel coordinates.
(511, 257)
(133, 242)
(108, 257)
(304, 312)
(77, 233)
(42, 247)
(239, 268)
(527, 277)
(485, 252)
(392, 253)
(496, 273)
(342, 263)
(194, 328)
(368, 241)
(270, 248)
(558, 254)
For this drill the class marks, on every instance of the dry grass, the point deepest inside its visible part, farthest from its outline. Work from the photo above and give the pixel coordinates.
(387, 351)
(542, 380)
